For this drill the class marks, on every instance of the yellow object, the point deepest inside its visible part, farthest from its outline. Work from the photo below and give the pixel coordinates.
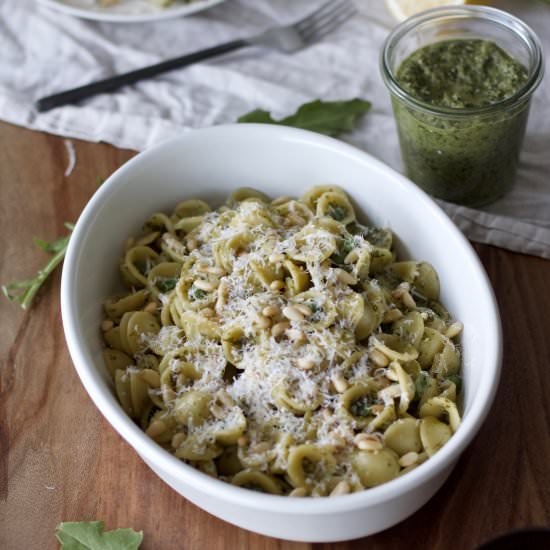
(402, 9)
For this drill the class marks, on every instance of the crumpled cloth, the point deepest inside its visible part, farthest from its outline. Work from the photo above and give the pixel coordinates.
(43, 52)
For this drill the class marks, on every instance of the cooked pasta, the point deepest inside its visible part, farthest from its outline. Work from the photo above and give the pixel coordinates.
(279, 345)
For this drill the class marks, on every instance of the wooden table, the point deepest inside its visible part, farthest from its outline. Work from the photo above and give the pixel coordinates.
(61, 461)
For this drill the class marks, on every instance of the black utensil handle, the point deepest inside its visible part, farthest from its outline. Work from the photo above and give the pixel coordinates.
(115, 82)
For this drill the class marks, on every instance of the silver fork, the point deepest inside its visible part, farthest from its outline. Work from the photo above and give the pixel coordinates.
(287, 38)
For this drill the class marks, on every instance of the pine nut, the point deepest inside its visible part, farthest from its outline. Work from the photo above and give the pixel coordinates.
(178, 439)
(151, 307)
(242, 441)
(402, 293)
(262, 447)
(295, 335)
(454, 330)
(225, 398)
(214, 270)
(392, 315)
(378, 358)
(292, 313)
(151, 377)
(344, 277)
(207, 312)
(192, 244)
(294, 219)
(408, 459)
(339, 382)
(207, 286)
(277, 285)
(280, 200)
(217, 411)
(298, 492)
(377, 409)
(401, 287)
(352, 256)
(390, 393)
(173, 243)
(303, 309)
(367, 442)
(223, 291)
(305, 363)
(156, 428)
(107, 325)
(271, 311)
(278, 329)
(342, 488)
(337, 440)
(263, 322)
(276, 258)
(408, 300)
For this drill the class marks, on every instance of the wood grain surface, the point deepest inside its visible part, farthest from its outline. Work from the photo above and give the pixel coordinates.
(61, 461)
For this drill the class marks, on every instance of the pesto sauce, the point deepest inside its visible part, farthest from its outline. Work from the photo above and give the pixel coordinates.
(470, 160)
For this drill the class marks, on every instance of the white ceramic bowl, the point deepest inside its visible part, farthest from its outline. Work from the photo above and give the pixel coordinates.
(208, 164)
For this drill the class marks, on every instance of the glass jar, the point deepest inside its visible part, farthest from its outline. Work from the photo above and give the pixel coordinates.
(469, 155)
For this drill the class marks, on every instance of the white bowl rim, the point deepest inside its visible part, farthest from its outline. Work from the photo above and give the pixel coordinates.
(163, 460)
(117, 17)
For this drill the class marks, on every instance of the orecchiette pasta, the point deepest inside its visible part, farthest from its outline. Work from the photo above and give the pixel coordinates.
(279, 345)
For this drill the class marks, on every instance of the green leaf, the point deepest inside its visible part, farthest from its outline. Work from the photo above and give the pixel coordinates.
(198, 294)
(257, 116)
(54, 246)
(361, 407)
(348, 244)
(24, 291)
(166, 284)
(89, 535)
(325, 117)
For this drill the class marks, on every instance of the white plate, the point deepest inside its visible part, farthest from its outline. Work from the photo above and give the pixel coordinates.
(127, 11)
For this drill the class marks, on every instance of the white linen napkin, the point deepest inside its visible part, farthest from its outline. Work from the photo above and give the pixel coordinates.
(43, 52)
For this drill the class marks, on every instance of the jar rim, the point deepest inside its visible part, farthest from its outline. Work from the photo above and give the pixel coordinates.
(522, 31)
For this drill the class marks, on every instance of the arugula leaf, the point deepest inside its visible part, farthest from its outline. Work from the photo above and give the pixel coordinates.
(90, 535)
(196, 293)
(347, 246)
(326, 117)
(166, 284)
(23, 292)
(361, 407)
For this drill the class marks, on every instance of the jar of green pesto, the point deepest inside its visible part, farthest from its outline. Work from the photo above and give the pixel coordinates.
(461, 81)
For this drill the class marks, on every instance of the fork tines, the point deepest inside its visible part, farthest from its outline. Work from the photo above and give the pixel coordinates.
(325, 19)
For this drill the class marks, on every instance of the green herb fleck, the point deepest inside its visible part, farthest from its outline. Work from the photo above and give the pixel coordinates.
(336, 212)
(23, 292)
(361, 407)
(348, 244)
(166, 284)
(420, 385)
(331, 118)
(90, 535)
(197, 293)
(141, 266)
